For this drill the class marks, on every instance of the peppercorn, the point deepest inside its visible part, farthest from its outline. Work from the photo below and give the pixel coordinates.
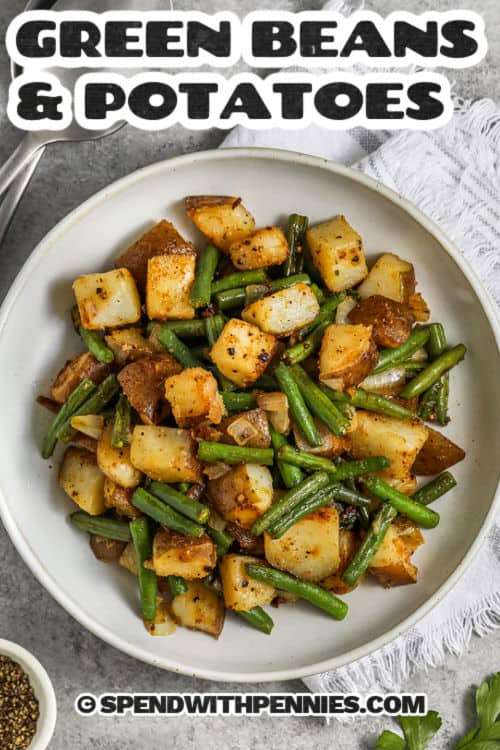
(19, 709)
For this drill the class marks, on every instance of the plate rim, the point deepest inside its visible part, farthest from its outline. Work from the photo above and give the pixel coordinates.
(66, 601)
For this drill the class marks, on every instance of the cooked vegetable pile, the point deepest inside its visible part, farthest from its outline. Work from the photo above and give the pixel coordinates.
(247, 422)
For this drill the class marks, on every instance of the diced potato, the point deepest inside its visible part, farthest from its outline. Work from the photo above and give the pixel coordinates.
(199, 609)
(223, 219)
(242, 494)
(81, 479)
(179, 555)
(284, 312)
(143, 383)
(119, 499)
(168, 286)
(398, 440)
(266, 247)
(437, 454)
(310, 549)
(331, 446)
(106, 550)
(129, 344)
(348, 546)
(242, 352)
(74, 371)
(419, 308)
(242, 593)
(258, 437)
(128, 559)
(194, 394)
(391, 321)
(163, 623)
(337, 252)
(392, 277)
(347, 355)
(115, 462)
(107, 300)
(162, 239)
(391, 564)
(166, 454)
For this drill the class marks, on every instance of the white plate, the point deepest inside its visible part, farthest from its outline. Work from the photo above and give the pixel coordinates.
(36, 337)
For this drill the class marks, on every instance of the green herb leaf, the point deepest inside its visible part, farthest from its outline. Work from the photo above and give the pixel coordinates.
(390, 741)
(487, 736)
(419, 730)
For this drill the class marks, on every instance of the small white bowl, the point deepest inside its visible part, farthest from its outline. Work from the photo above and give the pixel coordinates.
(42, 686)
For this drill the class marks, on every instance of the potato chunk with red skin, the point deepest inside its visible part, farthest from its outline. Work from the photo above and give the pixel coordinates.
(162, 239)
(193, 395)
(241, 592)
(107, 300)
(390, 320)
(118, 499)
(180, 555)
(242, 352)
(199, 609)
(223, 219)
(74, 371)
(283, 312)
(391, 563)
(391, 277)
(143, 383)
(337, 252)
(129, 345)
(347, 355)
(266, 247)
(168, 286)
(242, 494)
(166, 454)
(437, 454)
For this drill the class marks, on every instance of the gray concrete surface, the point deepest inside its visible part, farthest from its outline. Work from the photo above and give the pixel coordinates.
(77, 660)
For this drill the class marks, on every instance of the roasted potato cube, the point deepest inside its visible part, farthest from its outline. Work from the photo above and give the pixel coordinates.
(242, 352)
(284, 312)
(310, 549)
(348, 546)
(162, 239)
(337, 252)
(391, 277)
(179, 555)
(115, 462)
(419, 308)
(128, 559)
(242, 494)
(391, 564)
(266, 247)
(223, 219)
(107, 300)
(390, 320)
(241, 592)
(168, 286)
(81, 479)
(129, 344)
(331, 446)
(106, 550)
(399, 441)
(74, 371)
(143, 383)
(437, 454)
(193, 395)
(166, 454)
(347, 355)
(119, 499)
(199, 609)
(163, 623)
(257, 427)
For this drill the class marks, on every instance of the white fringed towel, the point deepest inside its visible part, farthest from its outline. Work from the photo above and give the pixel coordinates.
(453, 175)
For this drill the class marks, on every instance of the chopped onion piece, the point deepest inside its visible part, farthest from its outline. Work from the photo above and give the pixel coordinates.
(419, 356)
(344, 309)
(241, 430)
(275, 401)
(385, 383)
(215, 521)
(216, 470)
(280, 420)
(90, 424)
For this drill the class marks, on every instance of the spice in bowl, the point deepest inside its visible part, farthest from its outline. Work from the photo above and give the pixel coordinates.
(19, 709)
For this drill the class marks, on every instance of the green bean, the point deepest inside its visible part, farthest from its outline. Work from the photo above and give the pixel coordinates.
(291, 475)
(201, 291)
(92, 340)
(303, 509)
(341, 471)
(433, 372)
(389, 358)
(435, 489)
(63, 417)
(402, 503)
(312, 593)
(253, 292)
(120, 435)
(177, 585)
(183, 487)
(258, 619)
(177, 348)
(182, 328)
(180, 502)
(234, 454)
(297, 404)
(142, 537)
(222, 540)
(266, 382)
(319, 294)
(239, 280)
(325, 315)
(213, 328)
(371, 543)
(237, 297)
(319, 403)
(436, 344)
(369, 401)
(442, 400)
(94, 404)
(101, 526)
(276, 285)
(349, 495)
(289, 500)
(157, 509)
(307, 346)
(239, 401)
(310, 268)
(427, 405)
(295, 234)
